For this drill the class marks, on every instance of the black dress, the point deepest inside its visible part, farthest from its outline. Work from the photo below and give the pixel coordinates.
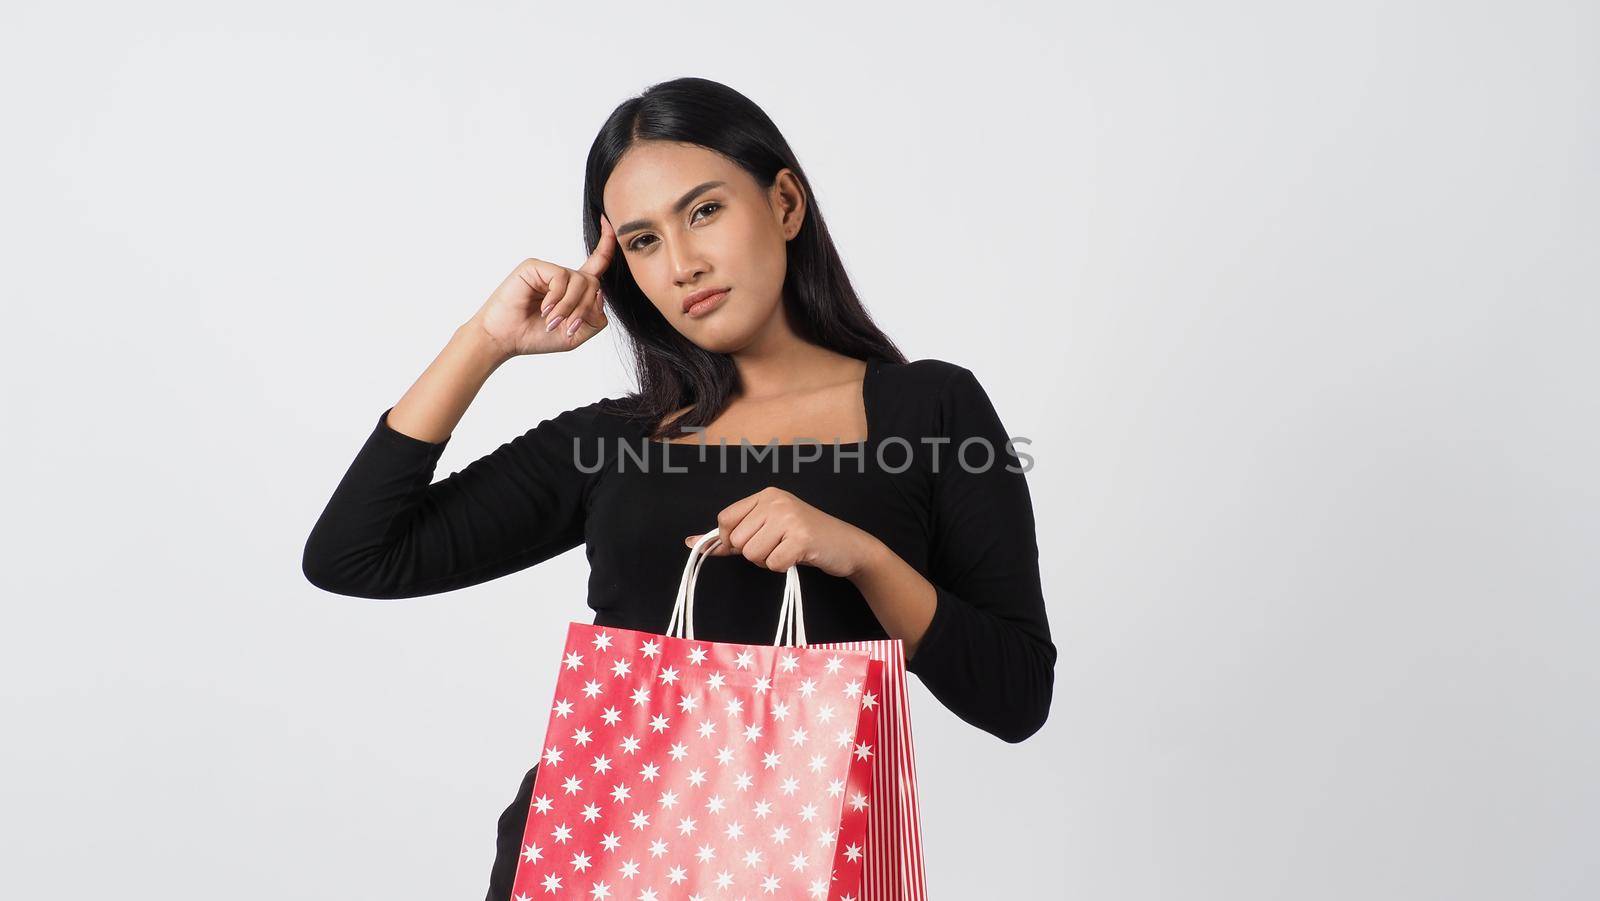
(921, 483)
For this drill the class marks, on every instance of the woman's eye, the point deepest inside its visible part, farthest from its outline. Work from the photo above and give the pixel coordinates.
(634, 245)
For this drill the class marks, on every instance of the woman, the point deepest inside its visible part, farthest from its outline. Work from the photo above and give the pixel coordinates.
(836, 453)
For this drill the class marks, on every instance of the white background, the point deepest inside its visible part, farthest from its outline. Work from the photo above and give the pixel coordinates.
(1296, 301)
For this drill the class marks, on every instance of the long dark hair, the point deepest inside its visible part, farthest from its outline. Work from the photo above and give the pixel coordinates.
(818, 299)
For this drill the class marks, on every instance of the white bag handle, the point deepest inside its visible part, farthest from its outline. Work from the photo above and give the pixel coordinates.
(791, 616)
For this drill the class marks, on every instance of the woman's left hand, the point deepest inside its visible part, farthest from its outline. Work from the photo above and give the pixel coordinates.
(775, 529)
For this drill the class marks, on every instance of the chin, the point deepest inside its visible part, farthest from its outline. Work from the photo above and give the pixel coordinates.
(720, 337)
(718, 344)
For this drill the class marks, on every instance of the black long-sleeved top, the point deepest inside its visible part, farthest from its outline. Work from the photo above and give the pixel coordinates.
(591, 476)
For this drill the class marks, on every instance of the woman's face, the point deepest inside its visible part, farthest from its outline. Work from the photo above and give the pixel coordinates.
(679, 236)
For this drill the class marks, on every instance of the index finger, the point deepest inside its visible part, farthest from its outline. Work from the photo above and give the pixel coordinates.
(735, 513)
(603, 251)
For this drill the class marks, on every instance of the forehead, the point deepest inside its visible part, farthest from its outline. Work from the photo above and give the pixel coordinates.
(653, 174)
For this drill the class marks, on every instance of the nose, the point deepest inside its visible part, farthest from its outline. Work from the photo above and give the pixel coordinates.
(687, 263)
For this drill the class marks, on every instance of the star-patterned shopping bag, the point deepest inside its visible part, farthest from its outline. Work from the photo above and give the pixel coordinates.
(676, 768)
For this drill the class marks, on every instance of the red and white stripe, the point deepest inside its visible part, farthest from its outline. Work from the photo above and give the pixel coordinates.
(893, 867)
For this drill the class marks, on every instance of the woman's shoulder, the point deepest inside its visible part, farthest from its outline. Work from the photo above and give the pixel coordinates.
(921, 396)
(935, 397)
(927, 375)
(612, 416)
(930, 381)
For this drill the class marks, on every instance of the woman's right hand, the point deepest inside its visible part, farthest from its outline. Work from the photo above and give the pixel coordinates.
(543, 308)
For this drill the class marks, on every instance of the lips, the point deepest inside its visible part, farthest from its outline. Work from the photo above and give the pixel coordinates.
(700, 295)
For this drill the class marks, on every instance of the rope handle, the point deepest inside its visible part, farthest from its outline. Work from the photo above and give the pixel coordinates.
(791, 615)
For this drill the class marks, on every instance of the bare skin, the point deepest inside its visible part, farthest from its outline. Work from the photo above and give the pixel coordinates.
(825, 413)
(731, 235)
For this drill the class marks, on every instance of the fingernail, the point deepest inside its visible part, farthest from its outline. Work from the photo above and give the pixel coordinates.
(553, 323)
(573, 327)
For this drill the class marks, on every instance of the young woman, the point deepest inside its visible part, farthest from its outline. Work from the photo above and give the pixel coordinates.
(769, 406)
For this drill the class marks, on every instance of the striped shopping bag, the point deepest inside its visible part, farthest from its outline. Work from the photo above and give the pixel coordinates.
(892, 869)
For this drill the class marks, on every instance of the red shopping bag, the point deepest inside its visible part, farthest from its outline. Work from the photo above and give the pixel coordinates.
(892, 847)
(678, 768)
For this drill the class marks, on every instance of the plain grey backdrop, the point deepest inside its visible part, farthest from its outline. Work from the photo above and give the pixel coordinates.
(1297, 303)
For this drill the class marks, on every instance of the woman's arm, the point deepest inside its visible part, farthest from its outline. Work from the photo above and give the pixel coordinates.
(434, 404)
(389, 531)
(986, 653)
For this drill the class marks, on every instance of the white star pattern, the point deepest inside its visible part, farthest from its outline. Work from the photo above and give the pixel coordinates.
(720, 815)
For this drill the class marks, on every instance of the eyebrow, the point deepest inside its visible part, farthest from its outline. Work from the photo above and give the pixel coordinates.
(683, 201)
